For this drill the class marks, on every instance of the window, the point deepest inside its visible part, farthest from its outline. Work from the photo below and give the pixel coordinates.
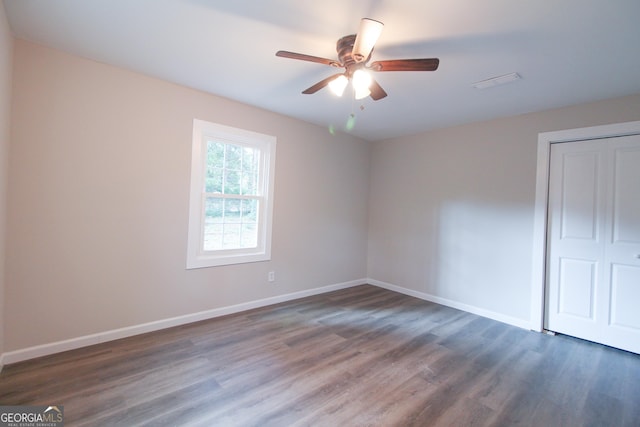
(231, 199)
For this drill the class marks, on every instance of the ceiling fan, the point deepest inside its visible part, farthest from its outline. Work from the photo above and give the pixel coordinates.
(354, 52)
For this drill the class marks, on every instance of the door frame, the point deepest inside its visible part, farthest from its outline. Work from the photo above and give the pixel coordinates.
(545, 139)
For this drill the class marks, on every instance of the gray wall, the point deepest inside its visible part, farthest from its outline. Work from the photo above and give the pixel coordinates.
(451, 211)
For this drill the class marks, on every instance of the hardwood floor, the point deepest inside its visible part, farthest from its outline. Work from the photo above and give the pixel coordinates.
(363, 356)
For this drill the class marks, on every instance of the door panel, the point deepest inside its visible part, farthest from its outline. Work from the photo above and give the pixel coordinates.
(576, 217)
(576, 287)
(593, 241)
(622, 249)
(579, 195)
(625, 296)
(626, 223)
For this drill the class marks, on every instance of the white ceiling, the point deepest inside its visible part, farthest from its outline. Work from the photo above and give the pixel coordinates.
(567, 52)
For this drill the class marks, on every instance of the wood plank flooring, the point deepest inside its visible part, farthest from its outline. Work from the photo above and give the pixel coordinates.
(363, 356)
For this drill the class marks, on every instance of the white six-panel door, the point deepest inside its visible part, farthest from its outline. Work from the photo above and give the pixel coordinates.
(593, 266)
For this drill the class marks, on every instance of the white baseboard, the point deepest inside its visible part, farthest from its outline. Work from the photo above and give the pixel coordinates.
(87, 340)
(524, 324)
(114, 334)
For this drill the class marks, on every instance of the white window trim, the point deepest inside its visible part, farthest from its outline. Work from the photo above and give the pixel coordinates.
(203, 130)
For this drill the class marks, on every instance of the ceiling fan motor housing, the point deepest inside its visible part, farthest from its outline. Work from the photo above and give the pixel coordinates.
(344, 47)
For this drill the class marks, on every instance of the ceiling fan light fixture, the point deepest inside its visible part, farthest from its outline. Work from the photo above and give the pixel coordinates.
(367, 36)
(361, 93)
(338, 85)
(361, 82)
(361, 79)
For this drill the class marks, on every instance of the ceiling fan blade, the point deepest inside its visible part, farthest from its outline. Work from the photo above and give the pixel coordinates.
(376, 91)
(424, 64)
(310, 58)
(322, 83)
(366, 38)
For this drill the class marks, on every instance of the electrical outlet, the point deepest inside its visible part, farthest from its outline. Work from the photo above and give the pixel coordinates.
(271, 276)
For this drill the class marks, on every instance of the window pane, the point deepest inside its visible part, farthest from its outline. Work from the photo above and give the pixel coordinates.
(249, 211)
(249, 170)
(249, 183)
(212, 236)
(232, 210)
(213, 170)
(249, 237)
(231, 169)
(230, 223)
(213, 223)
(249, 156)
(231, 236)
(214, 208)
(215, 153)
(233, 157)
(213, 180)
(231, 182)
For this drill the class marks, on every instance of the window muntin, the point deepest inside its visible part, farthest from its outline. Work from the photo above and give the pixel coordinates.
(231, 196)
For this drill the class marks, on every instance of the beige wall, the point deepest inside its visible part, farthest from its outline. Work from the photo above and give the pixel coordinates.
(98, 202)
(6, 53)
(451, 211)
